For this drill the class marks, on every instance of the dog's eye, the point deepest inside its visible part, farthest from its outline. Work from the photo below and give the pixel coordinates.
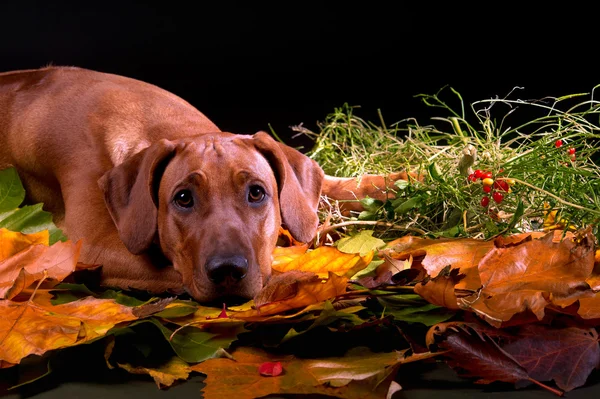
(184, 199)
(256, 194)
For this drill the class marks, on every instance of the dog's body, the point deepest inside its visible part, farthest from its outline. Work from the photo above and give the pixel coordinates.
(162, 198)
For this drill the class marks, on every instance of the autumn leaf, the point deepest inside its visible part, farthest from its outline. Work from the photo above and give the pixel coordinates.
(12, 242)
(414, 309)
(475, 354)
(565, 355)
(308, 292)
(29, 328)
(531, 275)
(282, 256)
(164, 375)
(361, 243)
(359, 374)
(37, 262)
(327, 259)
(440, 289)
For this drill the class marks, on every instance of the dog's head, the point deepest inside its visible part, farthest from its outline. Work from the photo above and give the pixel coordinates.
(214, 205)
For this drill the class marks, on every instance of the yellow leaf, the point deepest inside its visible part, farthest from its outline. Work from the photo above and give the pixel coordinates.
(164, 375)
(28, 328)
(327, 259)
(282, 256)
(12, 242)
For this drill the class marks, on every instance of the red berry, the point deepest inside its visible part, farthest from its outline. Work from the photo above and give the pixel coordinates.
(478, 173)
(498, 197)
(486, 175)
(487, 189)
(558, 143)
(571, 151)
(485, 201)
(472, 177)
(501, 185)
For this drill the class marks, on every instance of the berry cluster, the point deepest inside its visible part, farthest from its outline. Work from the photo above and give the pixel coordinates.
(496, 187)
(571, 151)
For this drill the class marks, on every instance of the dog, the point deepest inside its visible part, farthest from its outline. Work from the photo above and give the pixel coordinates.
(162, 199)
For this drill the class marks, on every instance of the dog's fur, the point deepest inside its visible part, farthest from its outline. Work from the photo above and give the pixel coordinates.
(109, 156)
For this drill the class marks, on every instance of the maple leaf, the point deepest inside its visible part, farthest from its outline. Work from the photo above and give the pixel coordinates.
(32, 328)
(565, 355)
(531, 275)
(360, 374)
(308, 292)
(475, 354)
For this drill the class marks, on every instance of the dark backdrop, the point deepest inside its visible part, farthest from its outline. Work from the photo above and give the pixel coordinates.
(252, 64)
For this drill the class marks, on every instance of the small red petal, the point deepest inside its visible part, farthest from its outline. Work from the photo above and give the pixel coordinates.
(558, 143)
(223, 314)
(270, 369)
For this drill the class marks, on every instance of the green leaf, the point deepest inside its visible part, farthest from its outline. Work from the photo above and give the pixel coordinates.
(369, 269)
(328, 316)
(517, 216)
(123, 299)
(371, 204)
(401, 206)
(178, 309)
(434, 172)
(368, 215)
(361, 243)
(402, 184)
(12, 192)
(31, 219)
(412, 308)
(194, 345)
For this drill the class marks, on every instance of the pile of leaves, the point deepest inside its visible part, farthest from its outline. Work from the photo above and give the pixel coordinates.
(343, 318)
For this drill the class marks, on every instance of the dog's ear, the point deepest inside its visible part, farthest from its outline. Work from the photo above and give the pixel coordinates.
(130, 193)
(299, 179)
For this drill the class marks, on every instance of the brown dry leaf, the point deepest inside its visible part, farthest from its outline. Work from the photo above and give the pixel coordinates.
(29, 328)
(165, 375)
(440, 289)
(37, 262)
(327, 259)
(531, 275)
(309, 292)
(283, 286)
(360, 374)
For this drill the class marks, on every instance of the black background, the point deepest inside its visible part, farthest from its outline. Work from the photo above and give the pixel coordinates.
(250, 64)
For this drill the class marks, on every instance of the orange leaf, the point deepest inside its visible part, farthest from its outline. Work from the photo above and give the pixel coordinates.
(12, 242)
(327, 259)
(37, 262)
(440, 289)
(29, 328)
(308, 292)
(282, 256)
(532, 275)
(164, 375)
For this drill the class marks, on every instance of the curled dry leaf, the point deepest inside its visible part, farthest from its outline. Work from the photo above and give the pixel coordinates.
(531, 275)
(164, 375)
(440, 289)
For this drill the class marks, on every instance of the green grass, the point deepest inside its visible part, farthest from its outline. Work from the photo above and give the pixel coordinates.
(468, 137)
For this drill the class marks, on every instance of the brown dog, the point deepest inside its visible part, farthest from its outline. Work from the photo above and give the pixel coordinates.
(162, 198)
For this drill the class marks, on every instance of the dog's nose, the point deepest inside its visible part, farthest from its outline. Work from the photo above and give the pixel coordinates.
(226, 270)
